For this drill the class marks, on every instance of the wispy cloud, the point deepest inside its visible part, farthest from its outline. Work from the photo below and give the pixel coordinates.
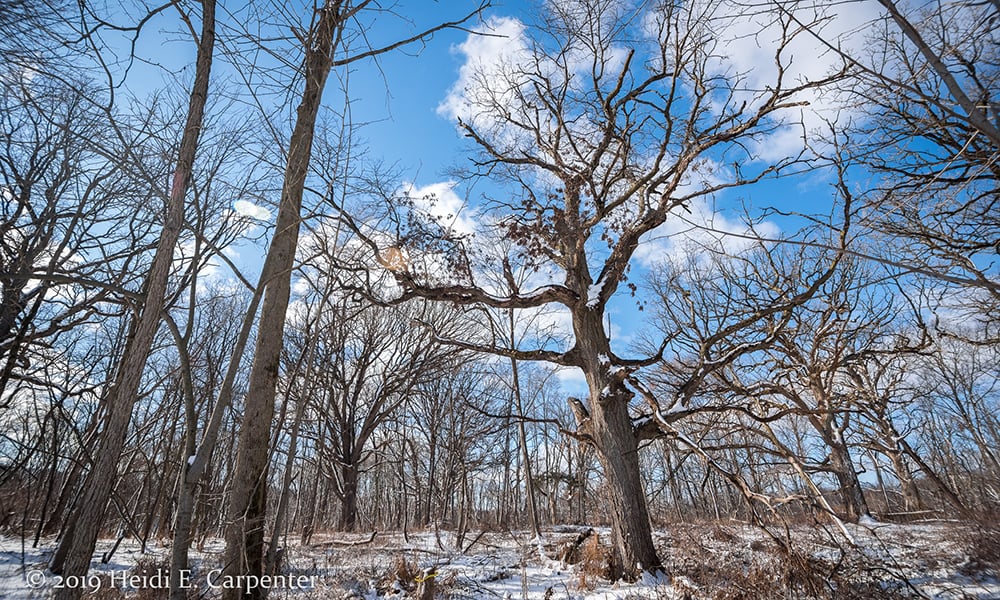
(752, 36)
(440, 202)
(249, 209)
(698, 230)
(494, 56)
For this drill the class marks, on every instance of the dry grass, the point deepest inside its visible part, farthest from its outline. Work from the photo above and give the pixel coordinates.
(726, 564)
(594, 563)
(983, 547)
(402, 576)
(148, 567)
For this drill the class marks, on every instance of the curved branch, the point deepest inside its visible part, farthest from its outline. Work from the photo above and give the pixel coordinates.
(560, 358)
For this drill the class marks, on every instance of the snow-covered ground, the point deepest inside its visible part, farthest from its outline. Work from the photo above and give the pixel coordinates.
(705, 560)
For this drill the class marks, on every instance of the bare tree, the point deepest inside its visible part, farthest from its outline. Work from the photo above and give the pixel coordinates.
(609, 122)
(879, 382)
(928, 126)
(955, 395)
(368, 361)
(325, 44)
(29, 34)
(806, 371)
(80, 533)
(61, 223)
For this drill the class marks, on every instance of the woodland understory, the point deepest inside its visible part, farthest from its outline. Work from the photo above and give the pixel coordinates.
(707, 306)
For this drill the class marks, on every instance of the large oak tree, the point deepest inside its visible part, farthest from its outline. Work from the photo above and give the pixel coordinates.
(604, 122)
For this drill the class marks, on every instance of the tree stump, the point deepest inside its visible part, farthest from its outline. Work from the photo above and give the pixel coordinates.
(425, 586)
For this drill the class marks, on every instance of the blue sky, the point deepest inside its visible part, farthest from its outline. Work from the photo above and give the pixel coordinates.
(398, 97)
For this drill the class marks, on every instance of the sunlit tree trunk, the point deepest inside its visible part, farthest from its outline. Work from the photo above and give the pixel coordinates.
(78, 541)
(617, 451)
(244, 530)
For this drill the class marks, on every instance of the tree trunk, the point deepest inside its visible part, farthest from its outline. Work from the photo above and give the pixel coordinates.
(252, 453)
(529, 485)
(851, 494)
(77, 543)
(286, 484)
(911, 495)
(254, 526)
(349, 499)
(617, 449)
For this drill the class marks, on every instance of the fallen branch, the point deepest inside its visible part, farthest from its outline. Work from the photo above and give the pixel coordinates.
(332, 543)
(570, 553)
(473, 542)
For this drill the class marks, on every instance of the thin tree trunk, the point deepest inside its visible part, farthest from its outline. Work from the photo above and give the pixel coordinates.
(939, 483)
(529, 486)
(79, 542)
(911, 495)
(242, 555)
(199, 456)
(286, 483)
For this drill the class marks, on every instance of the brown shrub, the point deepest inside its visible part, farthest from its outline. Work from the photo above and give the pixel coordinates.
(983, 547)
(403, 575)
(594, 563)
(150, 567)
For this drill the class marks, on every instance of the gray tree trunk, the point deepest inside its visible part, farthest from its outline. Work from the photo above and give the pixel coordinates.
(243, 555)
(349, 497)
(78, 541)
(286, 483)
(851, 493)
(912, 501)
(617, 451)
(529, 484)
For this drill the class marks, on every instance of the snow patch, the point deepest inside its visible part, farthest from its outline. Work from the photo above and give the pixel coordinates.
(868, 521)
(653, 579)
(594, 294)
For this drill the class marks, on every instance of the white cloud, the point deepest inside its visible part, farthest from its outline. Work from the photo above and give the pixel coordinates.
(572, 380)
(749, 37)
(439, 201)
(697, 232)
(496, 92)
(249, 209)
(493, 56)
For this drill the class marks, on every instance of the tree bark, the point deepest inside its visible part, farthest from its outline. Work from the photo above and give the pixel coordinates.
(286, 484)
(851, 493)
(349, 497)
(617, 451)
(243, 555)
(77, 543)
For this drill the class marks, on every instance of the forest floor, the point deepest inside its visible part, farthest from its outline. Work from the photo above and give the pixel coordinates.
(711, 560)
